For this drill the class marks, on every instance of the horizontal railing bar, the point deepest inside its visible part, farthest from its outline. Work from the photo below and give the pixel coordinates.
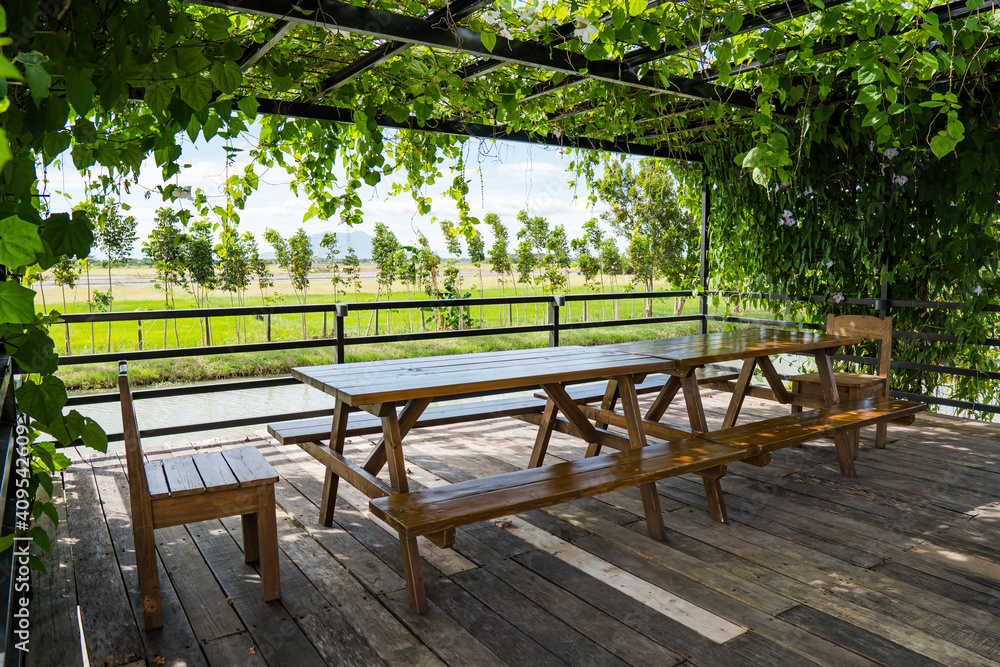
(615, 296)
(182, 390)
(949, 402)
(800, 298)
(757, 320)
(943, 338)
(615, 323)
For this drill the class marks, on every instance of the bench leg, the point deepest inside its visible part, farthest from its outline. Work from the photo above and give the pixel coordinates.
(149, 578)
(330, 484)
(831, 395)
(712, 479)
(413, 573)
(251, 552)
(267, 530)
(544, 434)
(637, 438)
(881, 433)
(663, 399)
(796, 389)
(445, 539)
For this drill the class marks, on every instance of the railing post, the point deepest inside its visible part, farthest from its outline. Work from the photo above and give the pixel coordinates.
(208, 332)
(267, 327)
(554, 305)
(339, 315)
(139, 326)
(706, 211)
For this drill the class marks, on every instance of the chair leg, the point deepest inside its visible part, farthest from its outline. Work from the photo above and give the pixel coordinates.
(329, 501)
(149, 578)
(413, 573)
(267, 531)
(251, 541)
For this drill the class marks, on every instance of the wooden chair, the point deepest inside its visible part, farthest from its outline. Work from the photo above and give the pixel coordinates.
(188, 489)
(855, 386)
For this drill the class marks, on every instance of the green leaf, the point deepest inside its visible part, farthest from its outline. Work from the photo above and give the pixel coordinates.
(195, 91)
(20, 244)
(753, 158)
(248, 105)
(93, 436)
(489, 40)
(227, 77)
(38, 81)
(42, 401)
(216, 26)
(34, 351)
(80, 90)
(943, 143)
(636, 7)
(190, 59)
(158, 96)
(41, 538)
(9, 71)
(5, 154)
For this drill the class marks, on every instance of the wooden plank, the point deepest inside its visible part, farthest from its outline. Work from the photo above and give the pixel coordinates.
(55, 629)
(175, 642)
(432, 510)
(274, 631)
(249, 467)
(108, 624)
(343, 467)
(214, 471)
(157, 479)
(182, 477)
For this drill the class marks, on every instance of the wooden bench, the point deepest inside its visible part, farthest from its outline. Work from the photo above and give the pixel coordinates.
(188, 489)
(440, 509)
(362, 423)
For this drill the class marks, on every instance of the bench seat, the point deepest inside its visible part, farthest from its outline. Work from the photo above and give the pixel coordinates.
(594, 392)
(437, 509)
(362, 423)
(433, 510)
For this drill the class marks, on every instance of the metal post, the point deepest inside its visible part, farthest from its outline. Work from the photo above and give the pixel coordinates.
(339, 315)
(706, 211)
(554, 305)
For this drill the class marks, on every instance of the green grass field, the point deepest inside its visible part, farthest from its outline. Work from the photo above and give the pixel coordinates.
(134, 292)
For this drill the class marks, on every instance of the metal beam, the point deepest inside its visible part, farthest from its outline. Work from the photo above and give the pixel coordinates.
(397, 27)
(765, 18)
(626, 144)
(257, 51)
(454, 11)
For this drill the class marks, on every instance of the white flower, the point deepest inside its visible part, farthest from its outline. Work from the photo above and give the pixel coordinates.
(558, 132)
(808, 190)
(891, 153)
(978, 290)
(490, 16)
(585, 30)
(536, 25)
(829, 264)
(838, 297)
(900, 180)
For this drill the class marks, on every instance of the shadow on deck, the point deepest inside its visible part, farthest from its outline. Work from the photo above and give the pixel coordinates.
(900, 566)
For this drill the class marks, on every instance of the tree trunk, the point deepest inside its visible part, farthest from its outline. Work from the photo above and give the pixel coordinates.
(63, 288)
(679, 302)
(111, 303)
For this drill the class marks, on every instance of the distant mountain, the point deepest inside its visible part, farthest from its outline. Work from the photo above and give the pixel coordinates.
(361, 242)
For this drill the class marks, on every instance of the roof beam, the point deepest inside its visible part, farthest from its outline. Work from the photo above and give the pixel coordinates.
(398, 27)
(766, 17)
(453, 11)
(257, 51)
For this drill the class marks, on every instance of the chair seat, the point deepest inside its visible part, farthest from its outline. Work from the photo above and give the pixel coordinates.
(843, 379)
(209, 472)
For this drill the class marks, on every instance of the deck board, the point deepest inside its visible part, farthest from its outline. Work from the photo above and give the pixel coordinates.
(900, 565)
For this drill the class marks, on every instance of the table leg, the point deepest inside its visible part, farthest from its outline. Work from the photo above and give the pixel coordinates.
(831, 395)
(637, 439)
(739, 392)
(544, 434)
(407, 418)
(557, 395)
(663, 399)
(607, 403)
(332, 481)
(692, 399)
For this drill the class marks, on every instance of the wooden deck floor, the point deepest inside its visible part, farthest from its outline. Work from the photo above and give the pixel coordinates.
(900, 566)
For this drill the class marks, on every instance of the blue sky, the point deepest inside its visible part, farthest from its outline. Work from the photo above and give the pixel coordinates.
(514, 176)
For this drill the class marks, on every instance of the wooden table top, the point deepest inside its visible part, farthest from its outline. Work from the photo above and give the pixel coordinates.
(370, 382)
(732, 345)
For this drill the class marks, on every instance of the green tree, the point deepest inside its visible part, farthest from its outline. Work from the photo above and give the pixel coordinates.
(499, 257)
(235, 274)
(352, 275)
(115, 236)
(65, 274)
(385, 251)
(163, 248)
(611, 266)
(645, 212)
(258, 266)
(198, 257)
(329, 241)
(295, 256)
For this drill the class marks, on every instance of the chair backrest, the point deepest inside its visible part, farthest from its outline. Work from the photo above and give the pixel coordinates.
(138, 486)
(867, 327)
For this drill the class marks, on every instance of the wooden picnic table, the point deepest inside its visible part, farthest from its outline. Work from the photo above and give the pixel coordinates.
(395, 393)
